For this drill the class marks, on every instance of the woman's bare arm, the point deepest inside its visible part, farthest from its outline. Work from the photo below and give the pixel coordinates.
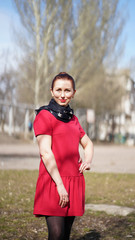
(44, 143)
(88, 153)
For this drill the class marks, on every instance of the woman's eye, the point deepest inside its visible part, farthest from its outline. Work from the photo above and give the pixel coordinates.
(67, 90)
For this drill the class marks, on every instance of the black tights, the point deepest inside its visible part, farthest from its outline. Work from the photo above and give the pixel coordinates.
(59, 228)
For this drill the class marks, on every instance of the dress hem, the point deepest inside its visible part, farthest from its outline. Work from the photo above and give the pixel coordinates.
(60, 215)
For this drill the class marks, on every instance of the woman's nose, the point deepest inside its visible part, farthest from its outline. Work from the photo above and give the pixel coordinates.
(62, 94)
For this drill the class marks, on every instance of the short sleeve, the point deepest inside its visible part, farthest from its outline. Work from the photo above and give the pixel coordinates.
(82, 132)
(42, 123)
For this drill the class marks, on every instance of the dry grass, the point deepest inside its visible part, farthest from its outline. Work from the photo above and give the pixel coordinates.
(108, 188)
(16, 207)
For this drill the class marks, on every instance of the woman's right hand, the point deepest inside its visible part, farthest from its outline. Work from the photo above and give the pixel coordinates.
(64, 199)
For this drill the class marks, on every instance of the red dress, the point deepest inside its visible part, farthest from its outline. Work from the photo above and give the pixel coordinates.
(65, 147)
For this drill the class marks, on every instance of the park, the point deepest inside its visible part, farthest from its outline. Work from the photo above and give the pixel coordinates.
(90, 46)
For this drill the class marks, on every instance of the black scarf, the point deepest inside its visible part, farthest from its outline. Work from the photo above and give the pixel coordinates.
(62, 113)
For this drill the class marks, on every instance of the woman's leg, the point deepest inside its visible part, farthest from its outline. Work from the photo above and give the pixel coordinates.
(56, 227)
(68, 225)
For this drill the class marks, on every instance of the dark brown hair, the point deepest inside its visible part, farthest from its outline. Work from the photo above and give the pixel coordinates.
(63, 75)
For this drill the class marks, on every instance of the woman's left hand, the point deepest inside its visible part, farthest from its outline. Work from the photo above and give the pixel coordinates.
(84, 166)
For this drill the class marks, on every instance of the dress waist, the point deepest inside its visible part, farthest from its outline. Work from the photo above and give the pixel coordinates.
(64, 171)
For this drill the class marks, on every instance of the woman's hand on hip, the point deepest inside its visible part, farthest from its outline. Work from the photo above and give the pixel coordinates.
(84, 166)
(64, 199)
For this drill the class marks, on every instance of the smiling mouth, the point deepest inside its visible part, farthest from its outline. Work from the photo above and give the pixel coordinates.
(63, 100)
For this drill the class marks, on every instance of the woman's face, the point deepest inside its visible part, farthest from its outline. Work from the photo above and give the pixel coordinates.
(63, 91)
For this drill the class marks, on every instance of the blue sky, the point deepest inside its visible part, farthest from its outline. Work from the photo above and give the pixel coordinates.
(129, 32)
(9, 18)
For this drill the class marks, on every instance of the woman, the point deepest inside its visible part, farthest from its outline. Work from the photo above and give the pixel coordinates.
(60, 190)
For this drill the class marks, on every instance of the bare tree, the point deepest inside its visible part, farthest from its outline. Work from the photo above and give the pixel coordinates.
(43, 22)
(7, 87)
(98, 30)
(7, 79)
(74, 36)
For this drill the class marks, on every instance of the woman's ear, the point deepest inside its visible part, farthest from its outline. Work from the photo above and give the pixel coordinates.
(74, 93)
(51, 92)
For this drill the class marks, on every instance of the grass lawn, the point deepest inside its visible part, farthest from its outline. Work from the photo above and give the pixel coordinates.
(17, 222)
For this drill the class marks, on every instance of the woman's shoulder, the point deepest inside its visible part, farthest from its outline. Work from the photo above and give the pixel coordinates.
(75, 118)
(42, 123)
(44, 114)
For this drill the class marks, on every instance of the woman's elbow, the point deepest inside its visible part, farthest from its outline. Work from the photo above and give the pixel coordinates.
(46, 154)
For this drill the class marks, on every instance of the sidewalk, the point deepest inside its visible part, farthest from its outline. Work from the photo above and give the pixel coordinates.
(114, 159)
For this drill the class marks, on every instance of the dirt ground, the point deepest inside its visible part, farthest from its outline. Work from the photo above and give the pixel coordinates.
(18, 154)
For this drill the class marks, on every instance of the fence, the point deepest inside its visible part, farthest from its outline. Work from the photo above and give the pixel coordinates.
(16, 117)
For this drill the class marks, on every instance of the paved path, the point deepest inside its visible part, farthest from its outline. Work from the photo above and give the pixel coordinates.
(115, 159)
